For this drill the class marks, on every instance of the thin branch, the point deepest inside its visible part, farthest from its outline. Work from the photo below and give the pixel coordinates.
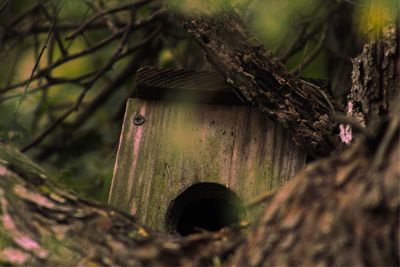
(114, 57)
(43, 135)
(85, 114)
(98, 6)
(82, 117)
(87, 51)
(103, 13)
(312, 55)
(140, 44)
(44, 95)
(14, 65)
(265, 197)
(62, 27)
(25, 15)
(5, 4)
(81, 97)
(56, 34)
(302, 58)
(52, 81)
(36, 112)
(296, 41)
(37, 63)
(299, 44)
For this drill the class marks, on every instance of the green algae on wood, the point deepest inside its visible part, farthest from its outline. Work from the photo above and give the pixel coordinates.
(181, 144)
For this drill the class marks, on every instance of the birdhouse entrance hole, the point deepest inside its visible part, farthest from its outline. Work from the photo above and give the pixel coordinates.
(203, 206)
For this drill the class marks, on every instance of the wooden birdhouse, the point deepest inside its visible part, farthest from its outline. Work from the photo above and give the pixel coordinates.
(192, 153)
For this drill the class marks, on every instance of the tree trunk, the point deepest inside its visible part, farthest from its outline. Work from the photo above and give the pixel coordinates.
(343, 210)
(375, 78)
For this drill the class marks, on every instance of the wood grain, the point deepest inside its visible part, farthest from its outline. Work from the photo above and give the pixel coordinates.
(181, 144)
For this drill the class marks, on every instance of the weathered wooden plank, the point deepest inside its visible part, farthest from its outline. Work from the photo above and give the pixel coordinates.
(184, 85)
(181, 144)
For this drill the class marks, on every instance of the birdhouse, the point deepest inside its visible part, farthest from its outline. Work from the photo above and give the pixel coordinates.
(192, 153)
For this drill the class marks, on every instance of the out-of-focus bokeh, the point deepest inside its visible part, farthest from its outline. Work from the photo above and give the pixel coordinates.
(68, 66)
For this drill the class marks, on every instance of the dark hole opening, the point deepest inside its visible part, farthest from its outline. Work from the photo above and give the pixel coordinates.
(309, 158)
(203, 206)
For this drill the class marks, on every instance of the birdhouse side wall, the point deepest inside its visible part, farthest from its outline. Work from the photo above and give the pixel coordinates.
(181, 144)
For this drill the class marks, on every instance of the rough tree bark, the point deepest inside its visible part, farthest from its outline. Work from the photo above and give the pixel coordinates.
(41, 224)
(343, 210)
(261, 79)
(375, 78)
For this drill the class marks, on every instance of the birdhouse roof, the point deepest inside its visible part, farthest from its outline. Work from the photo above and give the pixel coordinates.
(184, 85)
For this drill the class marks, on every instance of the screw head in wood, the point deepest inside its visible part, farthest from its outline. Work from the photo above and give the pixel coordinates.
(138, 120)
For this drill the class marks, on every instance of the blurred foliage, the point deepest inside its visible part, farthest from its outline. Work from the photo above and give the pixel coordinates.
(314, 38)
(373, 15)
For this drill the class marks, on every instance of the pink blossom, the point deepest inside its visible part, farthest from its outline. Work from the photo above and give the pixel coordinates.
(3, 170)
(14, 256)
(8, 222)
(42, 253)
(33, 197)
(27, 243)
(345, 133)
(349, 107)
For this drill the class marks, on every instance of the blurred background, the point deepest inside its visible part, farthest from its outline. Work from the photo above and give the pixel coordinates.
(68, 67)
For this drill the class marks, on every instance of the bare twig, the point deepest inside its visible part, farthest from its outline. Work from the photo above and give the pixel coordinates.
(44, 134)
(81, 97)
(78, 80)
(44, 22)
(265, 197)
(296, 41)
(109, 89)
(23, 16)
(37, 63)
(302, 58)
(102, 43)
(61, 27)
(110, 20)
(103, 13)
(299, 44)
(56, 34)
(82, 117)
(52, 82)
(14, 65)
(312, 55)
(43, 99)
(4, 5)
